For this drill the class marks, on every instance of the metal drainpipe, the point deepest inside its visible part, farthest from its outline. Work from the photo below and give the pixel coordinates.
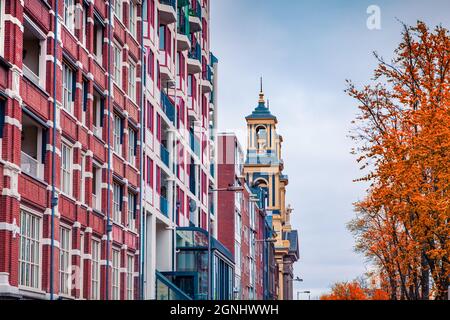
(141, 166)
(174, 150)
(108, 194)
(54, 199)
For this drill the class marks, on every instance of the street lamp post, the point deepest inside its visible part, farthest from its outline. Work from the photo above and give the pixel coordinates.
(230, 188)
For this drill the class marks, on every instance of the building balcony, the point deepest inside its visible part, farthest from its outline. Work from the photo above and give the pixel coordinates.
(166, 67)
(195, 17)
(167, 12)
(31, 166)
(164, 206)
(165, 156)
(168, 107)
(194, 59)
(184, 32)
(194, 144)
(207, 76)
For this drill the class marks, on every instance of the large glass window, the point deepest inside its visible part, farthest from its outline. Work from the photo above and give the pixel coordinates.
(131, 210)
(66, 169)
(117, 203)
(117, 135)
(69, 15)
(132, 81)
(68, 88)
(115, 274)
(34, 139)
(29, 250)
(64, 260)
(130, 277)
(118, 9)
(96, 187)
(132, 143)
(95, 270)
(133, 18)
(118, 65)
(97, 114)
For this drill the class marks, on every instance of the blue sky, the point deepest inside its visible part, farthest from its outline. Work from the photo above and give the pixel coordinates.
(305, 49)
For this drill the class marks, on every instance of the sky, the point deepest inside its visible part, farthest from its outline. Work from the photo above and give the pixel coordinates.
(305, 50)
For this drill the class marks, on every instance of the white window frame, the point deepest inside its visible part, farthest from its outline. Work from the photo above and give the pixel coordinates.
(67, 169)
(69, 15)
(130, 277)
(84, 24)
(80, 281)
(131, 211)
(118, 62)
(132, 136)
(65, 260)
(38, 79)
(68, 94)
(132, 81)
(97, 111)
(83, 178)
(35, 265)
(97, 198)
(132, 18)
(117, 134)
(115, 275)
(96, 248)
(99, 44)
(118, 9)
(117, 213)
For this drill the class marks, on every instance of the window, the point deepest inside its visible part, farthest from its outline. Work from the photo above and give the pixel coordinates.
(132, 81)
(132, 20)
(117, 135)
(97, 114)
(117, 203)
(66, 169)
(149, 172)
(118, 9)
(132, 146)
(98, 40)
(162, 38)
(34, 53)
(69, 15)
(29, 250)
(96, 187)
(151, 65)
(150, 117)
(95, 270)
(64, 261)
(115, 274)
(131, 211)
(2, 121)
(68, 88)
(33, 147)
(118, 65)
(85, 102)
(130, 277)
(83, 179)
(84, 26)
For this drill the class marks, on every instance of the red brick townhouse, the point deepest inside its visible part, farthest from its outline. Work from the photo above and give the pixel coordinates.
(69, 149)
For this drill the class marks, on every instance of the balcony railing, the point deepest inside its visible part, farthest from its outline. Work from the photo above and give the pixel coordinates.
(164, 206)
(168, 107)
(171, 3)
(29, 165)
(165, 155)
(194, 143)
(196, 11)
(207, 74)
(166, 290)
(195, 52)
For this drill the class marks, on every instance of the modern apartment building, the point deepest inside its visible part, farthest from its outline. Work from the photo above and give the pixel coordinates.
(264, 169)
(179, 150)
(69, 152)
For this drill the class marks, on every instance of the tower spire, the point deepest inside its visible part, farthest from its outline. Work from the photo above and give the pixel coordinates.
(261, 92)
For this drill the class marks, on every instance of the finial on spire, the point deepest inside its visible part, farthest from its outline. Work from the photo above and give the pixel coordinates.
(261, 93)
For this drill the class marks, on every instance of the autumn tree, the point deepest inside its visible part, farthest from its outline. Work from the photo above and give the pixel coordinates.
(355, 290)
(402, 137)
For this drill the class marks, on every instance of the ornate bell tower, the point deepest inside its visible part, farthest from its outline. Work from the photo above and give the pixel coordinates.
(264, 168)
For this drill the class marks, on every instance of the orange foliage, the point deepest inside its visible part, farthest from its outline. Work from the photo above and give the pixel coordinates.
(346, 291)
(403, 141)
